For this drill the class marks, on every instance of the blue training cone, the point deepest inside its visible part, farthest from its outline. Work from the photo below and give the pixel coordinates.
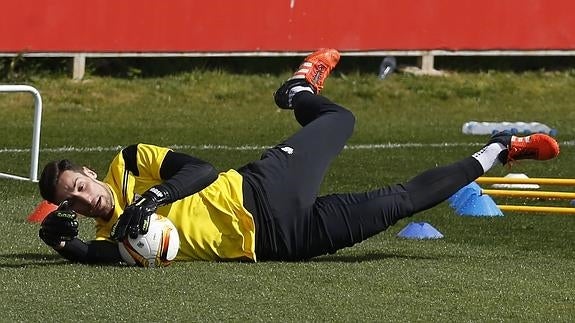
(419, 230)
(469, 201)
(481, 205)
(460, 197)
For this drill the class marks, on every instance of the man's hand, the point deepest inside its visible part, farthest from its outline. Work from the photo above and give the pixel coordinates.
(136, 217)
(59, 226)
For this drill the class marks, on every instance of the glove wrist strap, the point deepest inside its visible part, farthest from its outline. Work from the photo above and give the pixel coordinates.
(158, 194)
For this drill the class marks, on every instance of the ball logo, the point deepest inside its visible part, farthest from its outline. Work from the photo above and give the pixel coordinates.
(288, 150)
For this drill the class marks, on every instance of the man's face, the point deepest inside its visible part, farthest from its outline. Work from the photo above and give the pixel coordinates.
(86, 195)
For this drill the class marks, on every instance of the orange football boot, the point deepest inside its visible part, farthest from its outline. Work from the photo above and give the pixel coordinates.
(317, 66)
(538, 146)
(312, 73)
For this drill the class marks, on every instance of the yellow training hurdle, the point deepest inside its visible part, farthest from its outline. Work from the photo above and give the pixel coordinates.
(540, 209)
(530, 194)
(540, 181)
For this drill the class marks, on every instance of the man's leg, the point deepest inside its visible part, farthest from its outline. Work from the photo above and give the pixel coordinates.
(341, 220)
(291, 173)
(287, 179)
(314, 146)
(302, 230)
(295, 168)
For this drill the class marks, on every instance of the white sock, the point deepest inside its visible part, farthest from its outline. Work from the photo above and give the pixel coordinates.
(298, 76)
(487, 156)
(295, 90)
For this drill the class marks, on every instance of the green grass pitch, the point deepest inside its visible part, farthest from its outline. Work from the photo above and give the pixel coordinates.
(513, 268)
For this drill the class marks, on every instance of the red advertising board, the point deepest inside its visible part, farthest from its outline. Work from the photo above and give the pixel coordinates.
(150, 26)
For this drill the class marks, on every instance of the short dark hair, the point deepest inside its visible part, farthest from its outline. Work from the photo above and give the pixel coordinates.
(51, 175)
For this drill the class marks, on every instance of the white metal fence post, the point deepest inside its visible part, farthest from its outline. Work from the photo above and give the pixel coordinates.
(35, 150)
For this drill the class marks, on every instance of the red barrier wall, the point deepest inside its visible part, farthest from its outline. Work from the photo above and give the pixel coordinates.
(284, 25)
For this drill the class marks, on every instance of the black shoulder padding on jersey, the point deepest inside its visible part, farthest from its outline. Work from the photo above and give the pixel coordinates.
(130, 156)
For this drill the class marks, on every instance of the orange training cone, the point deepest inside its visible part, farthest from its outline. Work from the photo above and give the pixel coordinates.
(42, 210)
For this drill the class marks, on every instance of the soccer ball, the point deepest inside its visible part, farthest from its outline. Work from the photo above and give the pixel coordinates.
(157, 248)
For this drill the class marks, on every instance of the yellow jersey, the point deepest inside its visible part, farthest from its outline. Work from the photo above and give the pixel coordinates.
(213, 224)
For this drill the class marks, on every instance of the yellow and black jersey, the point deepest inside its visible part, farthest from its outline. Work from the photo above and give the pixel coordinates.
(213, 223)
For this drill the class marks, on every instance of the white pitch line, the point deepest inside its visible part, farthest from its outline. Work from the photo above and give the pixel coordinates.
(254, 147)
(237, 148)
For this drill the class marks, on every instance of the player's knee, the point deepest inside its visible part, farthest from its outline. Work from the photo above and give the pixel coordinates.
(347, 119)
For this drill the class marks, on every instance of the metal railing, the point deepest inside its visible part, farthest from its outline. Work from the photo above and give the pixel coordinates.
(35, 150)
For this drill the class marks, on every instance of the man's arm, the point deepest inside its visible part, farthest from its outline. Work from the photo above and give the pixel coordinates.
(185, 175)
(59, 230)
(182, 175)
(91, 252)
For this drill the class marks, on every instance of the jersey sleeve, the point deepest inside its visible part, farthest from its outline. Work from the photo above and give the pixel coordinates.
(144, 160)
(181, 174)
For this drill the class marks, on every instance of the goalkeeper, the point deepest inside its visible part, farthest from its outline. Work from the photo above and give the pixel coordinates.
(266, 210)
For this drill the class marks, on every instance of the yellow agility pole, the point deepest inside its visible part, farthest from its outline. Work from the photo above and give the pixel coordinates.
(541, 181)
(540, 209)
(530, 194)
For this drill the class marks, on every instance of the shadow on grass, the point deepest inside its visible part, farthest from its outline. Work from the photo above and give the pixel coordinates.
(21, 260)
(372, 256)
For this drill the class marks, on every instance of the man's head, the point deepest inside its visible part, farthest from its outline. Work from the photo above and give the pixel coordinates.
(65, 181)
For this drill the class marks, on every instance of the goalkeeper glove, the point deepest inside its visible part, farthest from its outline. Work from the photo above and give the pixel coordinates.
(59, 226)
(136, 217)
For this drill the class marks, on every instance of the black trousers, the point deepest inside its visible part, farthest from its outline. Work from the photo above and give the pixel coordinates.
(281, 189)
